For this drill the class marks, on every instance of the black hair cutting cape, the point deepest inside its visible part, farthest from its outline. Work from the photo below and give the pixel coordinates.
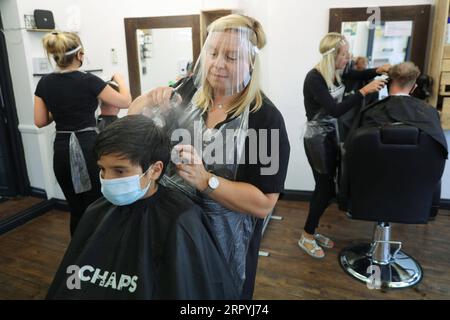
(161, 247)
(404, 109)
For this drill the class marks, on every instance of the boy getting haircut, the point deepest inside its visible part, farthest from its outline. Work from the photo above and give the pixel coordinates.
(159, 245)
(136, 138)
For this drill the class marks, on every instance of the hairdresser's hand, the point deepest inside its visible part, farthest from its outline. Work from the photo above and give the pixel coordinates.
(162, 97)
(374, 86)
(158, 97)
(117, 77)
(190, 166)
(384, 69)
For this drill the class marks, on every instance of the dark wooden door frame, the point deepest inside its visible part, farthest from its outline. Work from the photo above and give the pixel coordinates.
(132, 24)
(420, 15)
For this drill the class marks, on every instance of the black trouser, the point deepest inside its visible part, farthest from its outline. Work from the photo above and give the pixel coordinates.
(324, 192)
(61, 166)
(251, 261)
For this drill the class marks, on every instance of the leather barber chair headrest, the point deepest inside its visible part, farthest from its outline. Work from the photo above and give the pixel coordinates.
(399, 134)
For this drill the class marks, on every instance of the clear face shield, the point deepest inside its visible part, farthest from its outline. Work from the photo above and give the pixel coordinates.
(226, 61)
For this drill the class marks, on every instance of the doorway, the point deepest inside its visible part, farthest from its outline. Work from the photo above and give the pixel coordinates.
(13, 173)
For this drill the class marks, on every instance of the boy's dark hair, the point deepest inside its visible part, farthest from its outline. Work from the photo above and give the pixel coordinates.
(136, 138)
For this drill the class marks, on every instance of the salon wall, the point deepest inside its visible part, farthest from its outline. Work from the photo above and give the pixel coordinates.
(294, 29)
(23, 88)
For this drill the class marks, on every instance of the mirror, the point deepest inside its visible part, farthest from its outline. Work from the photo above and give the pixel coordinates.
(160, 50)
(400, 33)
(387, 42)
(165, 56)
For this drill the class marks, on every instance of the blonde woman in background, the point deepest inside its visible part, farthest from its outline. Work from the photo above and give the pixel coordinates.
(69, 97)
(323, 92)
(361, 63)
(224, 94)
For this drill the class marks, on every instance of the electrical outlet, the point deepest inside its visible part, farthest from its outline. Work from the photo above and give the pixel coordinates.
(114, 58)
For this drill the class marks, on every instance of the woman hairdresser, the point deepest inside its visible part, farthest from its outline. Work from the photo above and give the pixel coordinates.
(224, 97)
(323, 92)
(70, 97)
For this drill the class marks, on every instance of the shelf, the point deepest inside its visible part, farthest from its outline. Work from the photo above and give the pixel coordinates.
(90, 70)
(48, 30)
(208, 16)
(445, 114)
(439, 51)
(41, 30)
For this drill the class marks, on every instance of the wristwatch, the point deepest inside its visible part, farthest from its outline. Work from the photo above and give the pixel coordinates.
(213, 184)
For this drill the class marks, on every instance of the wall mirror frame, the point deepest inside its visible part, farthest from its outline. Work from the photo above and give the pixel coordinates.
(133, 24)
(418, 14)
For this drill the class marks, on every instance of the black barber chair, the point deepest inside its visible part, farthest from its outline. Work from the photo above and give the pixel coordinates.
(393, 174)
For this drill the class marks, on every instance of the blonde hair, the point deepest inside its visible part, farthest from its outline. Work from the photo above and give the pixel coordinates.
(360, 58)
(252, 92)
(58, 44)
(404, 74)
(329, 48)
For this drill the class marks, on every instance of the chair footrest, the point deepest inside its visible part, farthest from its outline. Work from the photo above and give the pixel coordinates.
(402, 272)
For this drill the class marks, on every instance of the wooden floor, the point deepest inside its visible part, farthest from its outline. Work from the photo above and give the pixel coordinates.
(12, 206)
(30, 254)
(290, 273)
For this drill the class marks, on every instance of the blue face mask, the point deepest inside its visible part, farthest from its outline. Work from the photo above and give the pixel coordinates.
(123, 191)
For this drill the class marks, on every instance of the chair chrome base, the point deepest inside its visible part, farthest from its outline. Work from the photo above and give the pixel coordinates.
(401, 272)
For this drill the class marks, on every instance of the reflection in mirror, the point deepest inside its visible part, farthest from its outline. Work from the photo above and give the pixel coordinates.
(165, 55)
(387, 42)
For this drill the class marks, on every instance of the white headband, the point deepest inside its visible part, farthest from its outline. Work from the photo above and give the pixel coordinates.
(340, 43)
(68, 53)
(329, 51)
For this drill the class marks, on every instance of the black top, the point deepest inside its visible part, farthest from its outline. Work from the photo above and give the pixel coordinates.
(353, 85)
(71, 97)
(317, 97)
(269, 118)
(161, 247)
